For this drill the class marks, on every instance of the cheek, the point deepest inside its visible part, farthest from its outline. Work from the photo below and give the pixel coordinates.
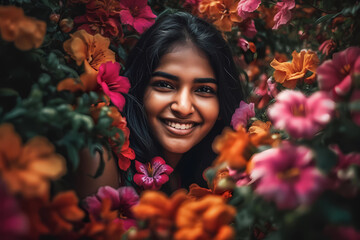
(209, 109)
(153, 103)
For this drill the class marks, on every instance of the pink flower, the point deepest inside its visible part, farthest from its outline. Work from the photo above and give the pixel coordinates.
(137, 14)
(327, 46)
(242, 114)
(122, 200)
(287, 176)
(246, 7)
(13, 223)
(240, 178)
(283, 16)
(301, 117)
(243, 44)
(112, 84)
(247, 28)
(153, 175)
(335, 75)
(339, 178)
(266, 90)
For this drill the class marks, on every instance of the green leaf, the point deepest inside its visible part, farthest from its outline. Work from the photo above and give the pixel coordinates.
(325, 159)
(327, 17)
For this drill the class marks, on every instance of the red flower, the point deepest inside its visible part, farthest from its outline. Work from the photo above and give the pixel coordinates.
(137, 14)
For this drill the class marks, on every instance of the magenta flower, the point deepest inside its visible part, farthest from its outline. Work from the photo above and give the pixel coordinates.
(246, 7)
(287, 176)
(283, 16)
(240, 178)
(242, 114)
(335, 75)
(301, 117)
(13, 223)
(112, 84)
(247, 28)
(153, 175)
(243, 44)
(137, 14)
(122, 200)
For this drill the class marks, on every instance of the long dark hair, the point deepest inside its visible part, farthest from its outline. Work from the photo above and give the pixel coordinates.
(168, 30)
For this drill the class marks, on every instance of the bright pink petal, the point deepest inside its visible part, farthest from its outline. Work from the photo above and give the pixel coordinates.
(141, 168)
(110, 193)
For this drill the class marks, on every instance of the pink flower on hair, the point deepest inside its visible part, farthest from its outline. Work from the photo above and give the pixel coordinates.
(152, 175)
(301, 117)
(242, 114)
(335, 75)
(287, 176)
(283, 16)
(246, 7)
(137, 14)
(122, 199)
(112, 84)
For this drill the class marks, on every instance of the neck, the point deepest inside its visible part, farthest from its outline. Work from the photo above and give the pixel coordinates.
(172, 158)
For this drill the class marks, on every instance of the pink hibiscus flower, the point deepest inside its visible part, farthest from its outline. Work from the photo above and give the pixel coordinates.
(301, 117)
(246, 7)
(153, 175)
(112, 84)
(122, 200)
(137, 14)
(13, 223)
(283, 16)
(335, 75)
(247, 28)
(242, 114)
(243, 44)
(287, 176)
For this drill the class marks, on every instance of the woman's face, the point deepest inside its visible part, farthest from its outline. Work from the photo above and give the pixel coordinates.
(181, 100)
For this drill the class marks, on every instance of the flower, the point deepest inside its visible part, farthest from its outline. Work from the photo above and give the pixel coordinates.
(246, 7)
(242, 114)
(112, 84)
(62, 212)
(25, 32)
(28, 169)
(335, 75)
(153, 175)
(265, 91)
(107, 227)
(207, 218)
(327, 47)
(301, 117)
(137, 14)
(101, 17)
(13, 222)
(243, 44)
(287, 176)
(234, 148)
(159, 211)
(283, 16)
(121, 199)
(247, 28)
(92, 51)
(303, 63)
(260, 134)
(223, 13)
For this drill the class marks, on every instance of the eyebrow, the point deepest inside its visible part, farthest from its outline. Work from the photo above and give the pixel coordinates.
(176, 78)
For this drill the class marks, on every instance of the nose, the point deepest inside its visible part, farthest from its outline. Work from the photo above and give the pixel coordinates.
(182, 106)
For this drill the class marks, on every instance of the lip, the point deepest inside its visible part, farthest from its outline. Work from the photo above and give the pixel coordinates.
(176, 131)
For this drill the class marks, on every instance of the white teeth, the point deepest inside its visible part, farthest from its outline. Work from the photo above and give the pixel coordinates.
(181, 126)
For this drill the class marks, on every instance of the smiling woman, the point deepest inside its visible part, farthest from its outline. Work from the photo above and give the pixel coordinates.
(185, 88)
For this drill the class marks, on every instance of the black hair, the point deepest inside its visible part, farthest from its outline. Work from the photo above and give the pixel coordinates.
(167, 31)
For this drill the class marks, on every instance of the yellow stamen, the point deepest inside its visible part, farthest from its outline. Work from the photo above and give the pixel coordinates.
(289, 174)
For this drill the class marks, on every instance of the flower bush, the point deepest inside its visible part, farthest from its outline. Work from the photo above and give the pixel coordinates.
(289, 168)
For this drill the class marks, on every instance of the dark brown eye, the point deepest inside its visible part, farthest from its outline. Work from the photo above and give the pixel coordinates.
(162, 84)
(206, 89)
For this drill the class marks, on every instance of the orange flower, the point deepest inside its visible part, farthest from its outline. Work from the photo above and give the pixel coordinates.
(223, 13)
(92, 51)
(57, 217)
(160, 211)
(28, 169)
(25, 32)
(234, 148)
(302, 65)
(108, 227)
(207, 218)
(260, 134)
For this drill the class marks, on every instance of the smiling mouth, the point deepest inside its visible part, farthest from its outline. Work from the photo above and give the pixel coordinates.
(179, 126)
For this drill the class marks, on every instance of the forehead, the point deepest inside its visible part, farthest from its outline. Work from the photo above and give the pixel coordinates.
(186, 59)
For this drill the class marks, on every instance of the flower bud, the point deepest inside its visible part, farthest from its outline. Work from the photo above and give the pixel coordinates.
(66, 25)
(54, 17)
